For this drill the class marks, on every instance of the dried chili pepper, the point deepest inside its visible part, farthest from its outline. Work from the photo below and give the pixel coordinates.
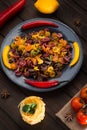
(43, 84)
(11, 11)
(38, 23)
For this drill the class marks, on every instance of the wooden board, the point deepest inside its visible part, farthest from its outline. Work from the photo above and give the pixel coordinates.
(73, 125)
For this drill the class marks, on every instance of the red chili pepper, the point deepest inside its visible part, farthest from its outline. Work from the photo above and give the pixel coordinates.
(43, 84)
(38, 24)
(11, 11)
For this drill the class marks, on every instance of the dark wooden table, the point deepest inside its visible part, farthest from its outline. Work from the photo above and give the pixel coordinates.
(74, 14)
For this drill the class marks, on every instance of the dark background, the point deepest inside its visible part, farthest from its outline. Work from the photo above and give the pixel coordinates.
(74, 14)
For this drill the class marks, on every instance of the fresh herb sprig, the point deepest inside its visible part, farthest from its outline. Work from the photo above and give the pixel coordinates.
(30, 108)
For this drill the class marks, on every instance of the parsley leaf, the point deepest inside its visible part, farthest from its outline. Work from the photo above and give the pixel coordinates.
(29, 108)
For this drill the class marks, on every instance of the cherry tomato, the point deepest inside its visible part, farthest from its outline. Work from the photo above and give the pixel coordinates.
(83, 93)
(77, 103)
(81, 116)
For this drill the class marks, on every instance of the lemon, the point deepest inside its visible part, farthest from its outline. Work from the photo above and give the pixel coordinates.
(46, 6)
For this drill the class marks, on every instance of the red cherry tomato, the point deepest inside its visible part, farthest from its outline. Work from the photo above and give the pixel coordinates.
(83, 93)
(77, 103)
(81, 116)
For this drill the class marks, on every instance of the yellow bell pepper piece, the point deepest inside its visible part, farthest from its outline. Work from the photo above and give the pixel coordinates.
(76, 54)
(5, 56)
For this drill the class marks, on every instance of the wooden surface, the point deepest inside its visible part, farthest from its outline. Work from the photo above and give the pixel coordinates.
(69, 12)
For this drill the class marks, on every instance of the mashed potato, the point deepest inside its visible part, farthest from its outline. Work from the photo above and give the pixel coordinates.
(32, 110)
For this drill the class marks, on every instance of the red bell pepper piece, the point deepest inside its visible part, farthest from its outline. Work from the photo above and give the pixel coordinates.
(43, 84)
(11, 11)
(38, 23)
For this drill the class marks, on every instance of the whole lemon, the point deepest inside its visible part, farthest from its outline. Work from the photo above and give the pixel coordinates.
(46, 6)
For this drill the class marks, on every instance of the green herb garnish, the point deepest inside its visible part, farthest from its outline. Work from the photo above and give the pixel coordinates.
(29, 108)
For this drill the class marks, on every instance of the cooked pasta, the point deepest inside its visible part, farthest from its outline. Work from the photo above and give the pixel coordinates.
(40, 55)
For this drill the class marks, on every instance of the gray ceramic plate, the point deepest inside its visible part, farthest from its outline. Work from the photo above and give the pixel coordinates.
(68, 74)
